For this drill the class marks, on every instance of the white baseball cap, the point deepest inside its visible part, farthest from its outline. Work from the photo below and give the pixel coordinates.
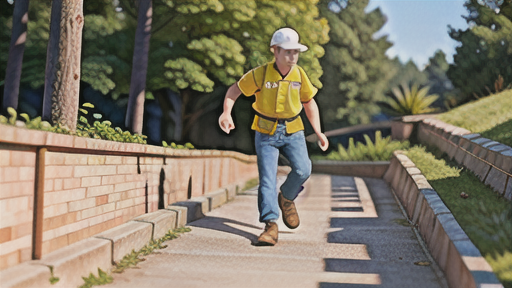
(288, 39)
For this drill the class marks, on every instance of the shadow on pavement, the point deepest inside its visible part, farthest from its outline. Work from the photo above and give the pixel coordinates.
(221, 224)
(391, 248)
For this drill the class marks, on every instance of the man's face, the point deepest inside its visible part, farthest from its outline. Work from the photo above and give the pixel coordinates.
(286, 57)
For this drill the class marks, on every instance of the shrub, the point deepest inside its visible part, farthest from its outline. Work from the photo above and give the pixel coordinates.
(98, 130)
(410, 101)
(381, 150)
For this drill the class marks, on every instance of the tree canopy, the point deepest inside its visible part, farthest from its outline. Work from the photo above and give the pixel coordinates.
(355, 66)
(485, 52)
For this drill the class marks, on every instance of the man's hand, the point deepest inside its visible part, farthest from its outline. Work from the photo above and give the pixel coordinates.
(226, 122)
(322, 141)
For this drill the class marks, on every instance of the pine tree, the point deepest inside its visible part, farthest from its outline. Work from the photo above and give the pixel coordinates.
(485, 52)
(355, 76)
(438, 80)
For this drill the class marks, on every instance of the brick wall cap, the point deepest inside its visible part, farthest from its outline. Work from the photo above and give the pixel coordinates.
(500, 148)
(480, 141)
(471, 136)
(452, 227)
(490, 144)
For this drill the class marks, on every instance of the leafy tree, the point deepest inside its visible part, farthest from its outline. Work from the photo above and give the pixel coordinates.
(135, 112)
(62, 76)
(15, 58)
(354, 62)
(210, 43)
(405, 73)
(438, 80)
(34, 58)
(484, 54)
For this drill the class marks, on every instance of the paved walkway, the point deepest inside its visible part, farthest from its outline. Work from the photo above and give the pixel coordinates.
(352, 235)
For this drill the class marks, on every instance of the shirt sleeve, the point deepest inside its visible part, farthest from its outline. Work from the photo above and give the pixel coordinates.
(247, 84)
(307, 90)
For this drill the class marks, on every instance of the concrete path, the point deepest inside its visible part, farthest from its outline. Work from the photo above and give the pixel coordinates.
(352, 234)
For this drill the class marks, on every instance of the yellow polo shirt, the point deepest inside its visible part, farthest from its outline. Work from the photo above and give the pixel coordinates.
(277, 97)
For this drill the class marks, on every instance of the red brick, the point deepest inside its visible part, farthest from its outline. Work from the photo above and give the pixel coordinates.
(5, 234)
(10, 174)
(75, 159)
(71, 183)
(113, 179)
(25, 254)
(60, 140)
(91, 181)
(10, 259)
(99, 190)
(13, 205)
(48, 185)
(127, 169)
(54, 158)
(84, 171)
(81, 204)
(52, 172)
(59, 221)
(130, 160)
(57, 243)
(21, 230)
(114, 160)
(98, 228)
(58, 184)
(23, 158)
(55, 210)
(96, 160)
(100, 200)
(79, 235)
(5, 157)
(125, 186)
(79, 142)
(52, 198)
(27, 173)
(16, 189)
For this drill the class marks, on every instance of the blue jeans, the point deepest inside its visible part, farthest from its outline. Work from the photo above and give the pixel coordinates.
(293, 147)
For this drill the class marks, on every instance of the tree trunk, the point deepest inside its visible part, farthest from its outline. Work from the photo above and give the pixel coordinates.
(62, 75)
(135, 111)
(15, 58)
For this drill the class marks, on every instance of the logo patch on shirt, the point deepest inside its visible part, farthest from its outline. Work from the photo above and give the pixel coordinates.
(270, 85)
(296, 85)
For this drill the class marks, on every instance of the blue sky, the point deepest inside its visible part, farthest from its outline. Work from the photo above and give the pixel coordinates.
(418, 28)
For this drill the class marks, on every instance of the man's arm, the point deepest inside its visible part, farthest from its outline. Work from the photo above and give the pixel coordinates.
(314, 118)
(225, 119)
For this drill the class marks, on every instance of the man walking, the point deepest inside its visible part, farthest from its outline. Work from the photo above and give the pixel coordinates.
(282, 89)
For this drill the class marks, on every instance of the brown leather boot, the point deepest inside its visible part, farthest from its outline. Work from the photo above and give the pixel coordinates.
(269, 236)
(290, 215)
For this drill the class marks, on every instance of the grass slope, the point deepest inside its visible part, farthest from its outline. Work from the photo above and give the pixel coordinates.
(483, 114)
(485, 217)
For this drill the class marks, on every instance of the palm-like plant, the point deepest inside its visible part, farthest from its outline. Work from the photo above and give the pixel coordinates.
(411, 101)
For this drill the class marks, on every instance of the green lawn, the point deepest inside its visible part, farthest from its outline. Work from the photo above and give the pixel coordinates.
(483, 115)
(485, 217)
(501, 133)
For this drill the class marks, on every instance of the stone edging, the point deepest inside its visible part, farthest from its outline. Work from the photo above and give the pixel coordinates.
(68, 143)
(100, 251)
(375, 169)
(452, 249)
(491, 161)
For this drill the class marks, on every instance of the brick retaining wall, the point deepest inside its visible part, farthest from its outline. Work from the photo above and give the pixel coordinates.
(491, 161)
(448, 244)
(86, 186)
